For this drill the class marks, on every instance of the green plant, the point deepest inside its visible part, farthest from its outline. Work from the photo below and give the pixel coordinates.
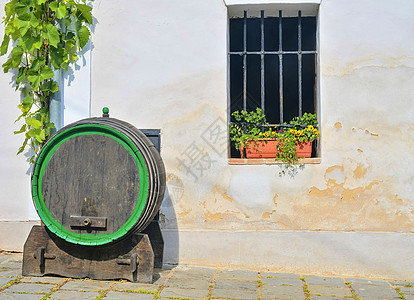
(249, 128)
(46, 36)
(305, 288)
(306, 120)
(10, 283)
(400, 295)
(289, 138)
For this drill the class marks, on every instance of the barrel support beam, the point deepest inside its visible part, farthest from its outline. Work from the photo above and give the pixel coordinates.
(132, 262)
(131, 259)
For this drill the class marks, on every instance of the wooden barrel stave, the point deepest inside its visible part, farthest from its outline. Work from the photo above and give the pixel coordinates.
(155, 166)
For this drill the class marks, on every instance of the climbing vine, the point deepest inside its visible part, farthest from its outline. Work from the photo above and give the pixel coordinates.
(41, 36)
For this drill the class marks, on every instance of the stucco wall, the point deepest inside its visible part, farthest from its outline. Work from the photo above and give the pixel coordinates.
(163, 65)
(15, 201)
(168, 70)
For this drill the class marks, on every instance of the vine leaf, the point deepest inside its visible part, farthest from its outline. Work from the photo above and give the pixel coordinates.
(46, 73)
(83, 35)
(22, 129)
(21, 149)
(49, 86)
(22, 7)
(61, 11)
(34, 22)
(57, 57)
(34, 78)
(53, 6)
(21, 75)
(37, 63)
(28, 41)
(22, 25)
(34, 123)
(15, 59)
(4, 45)
(85, 11)
(51, 33)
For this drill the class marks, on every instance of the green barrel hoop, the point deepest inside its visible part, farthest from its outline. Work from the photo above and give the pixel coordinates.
(149, 167)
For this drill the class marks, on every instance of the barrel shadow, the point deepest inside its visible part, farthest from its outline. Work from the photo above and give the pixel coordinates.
(169, 228)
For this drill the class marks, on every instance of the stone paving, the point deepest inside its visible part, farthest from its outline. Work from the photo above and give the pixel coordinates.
(183, 282)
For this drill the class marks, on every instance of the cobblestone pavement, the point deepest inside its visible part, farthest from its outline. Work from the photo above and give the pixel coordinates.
(183, 282)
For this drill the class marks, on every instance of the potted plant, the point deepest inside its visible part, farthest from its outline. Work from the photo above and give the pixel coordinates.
(252, 134)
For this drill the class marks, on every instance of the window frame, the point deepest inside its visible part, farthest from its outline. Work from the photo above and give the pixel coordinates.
(283, 11)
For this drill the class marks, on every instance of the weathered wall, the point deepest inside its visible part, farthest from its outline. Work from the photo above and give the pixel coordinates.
(367, 117)
(168, 71)
(163, 65)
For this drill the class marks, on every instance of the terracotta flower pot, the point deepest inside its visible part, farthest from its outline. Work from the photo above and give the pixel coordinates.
(267, 149)
(304, 149)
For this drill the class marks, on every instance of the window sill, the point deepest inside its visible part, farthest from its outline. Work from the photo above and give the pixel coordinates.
(269, 161)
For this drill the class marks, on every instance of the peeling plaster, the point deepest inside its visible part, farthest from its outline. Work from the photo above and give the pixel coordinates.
(266, 215)
(360, 171)
(213, 216)
(366, 131)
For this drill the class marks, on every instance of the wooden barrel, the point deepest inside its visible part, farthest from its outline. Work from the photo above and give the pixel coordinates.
(97, 181)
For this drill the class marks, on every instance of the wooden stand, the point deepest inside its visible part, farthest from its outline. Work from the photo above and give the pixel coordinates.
(131, 258)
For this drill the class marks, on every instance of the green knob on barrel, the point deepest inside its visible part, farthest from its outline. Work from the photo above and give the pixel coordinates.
(105, 112)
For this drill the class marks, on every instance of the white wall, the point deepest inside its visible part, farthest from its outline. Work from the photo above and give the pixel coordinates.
(165, 67)
(158, 58)
(163, 64)
(16, 208)
(15, 199)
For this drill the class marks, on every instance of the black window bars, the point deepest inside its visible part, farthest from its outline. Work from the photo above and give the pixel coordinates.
(299, 52)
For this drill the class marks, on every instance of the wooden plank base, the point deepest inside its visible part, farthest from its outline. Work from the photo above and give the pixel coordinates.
(131, 259)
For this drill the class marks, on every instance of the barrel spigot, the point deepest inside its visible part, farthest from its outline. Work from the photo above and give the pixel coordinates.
(105, 112)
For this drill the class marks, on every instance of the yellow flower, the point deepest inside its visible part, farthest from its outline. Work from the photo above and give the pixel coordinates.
(316, 131)
(299, 132)
(293, 131)
(310, 127)
(260, 133)
(266, 134)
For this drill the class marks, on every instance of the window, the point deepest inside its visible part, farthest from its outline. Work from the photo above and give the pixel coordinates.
(272, 65)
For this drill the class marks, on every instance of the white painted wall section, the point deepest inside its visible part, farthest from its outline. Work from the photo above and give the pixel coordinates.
(163, 64)
(77, 93)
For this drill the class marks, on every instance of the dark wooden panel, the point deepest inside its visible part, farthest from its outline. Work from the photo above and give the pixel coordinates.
(154, 135)
(94, 176)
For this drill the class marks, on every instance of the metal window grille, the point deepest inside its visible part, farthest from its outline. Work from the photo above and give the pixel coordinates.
(281, 56)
